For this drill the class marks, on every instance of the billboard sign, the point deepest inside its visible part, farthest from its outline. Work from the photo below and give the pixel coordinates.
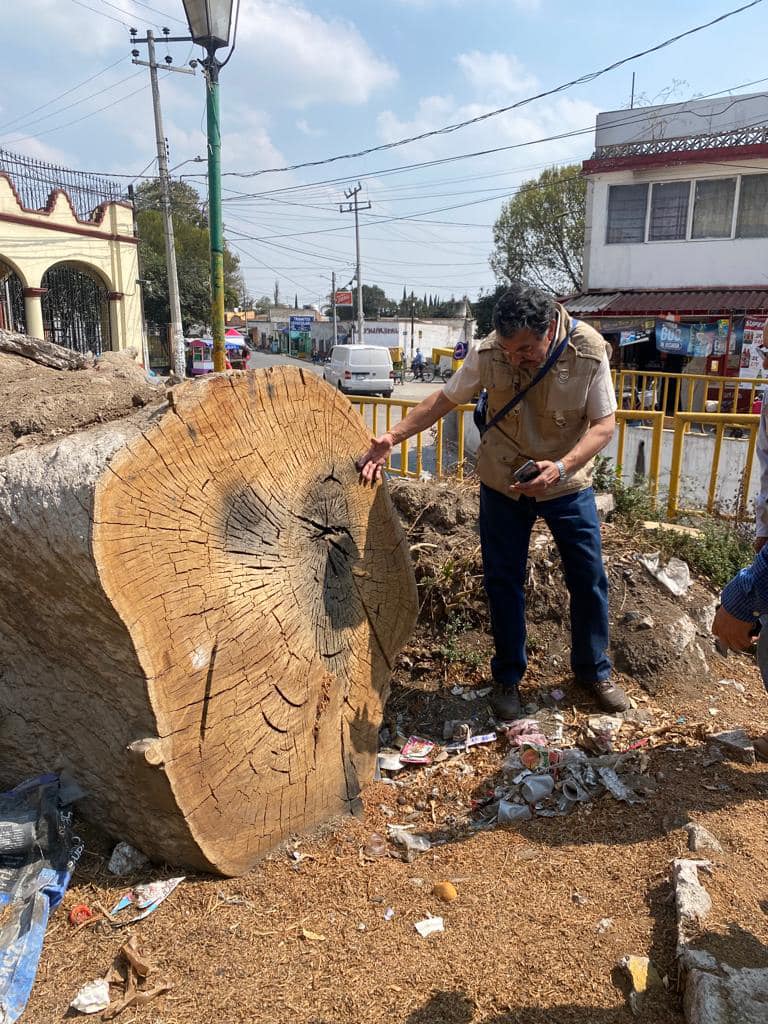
(343, 298)
(300, 324)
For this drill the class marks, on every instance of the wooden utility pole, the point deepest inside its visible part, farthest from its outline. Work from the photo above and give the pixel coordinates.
(174, 302)
(355, 207)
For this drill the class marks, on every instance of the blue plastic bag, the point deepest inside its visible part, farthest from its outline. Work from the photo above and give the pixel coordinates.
(37, 856)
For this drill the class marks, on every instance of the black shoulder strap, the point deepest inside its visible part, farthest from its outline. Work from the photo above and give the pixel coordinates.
(543, 371)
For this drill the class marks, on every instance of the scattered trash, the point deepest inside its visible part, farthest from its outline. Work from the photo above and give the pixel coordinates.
(701, 839)
(389, 760)
(526, 731)
(578, 899)
(473, 741)
(557, 695)
(604, 925)
(735, 744)
(536, 788)
(429, 926)
(417, 750)
(79, 914)
(361, 927)
(389, 913)
(376, 846)
(675, 576)
(38, 853)
(145, 898)
(126, 860)
(615, 786)
(93, 997)
(476, 694)
(445, 891)
(714, 712)
(599, 733)
(509, 812)
(457, 729)
(311, 936)
(692, 900)
(641, 976)
(414, 844)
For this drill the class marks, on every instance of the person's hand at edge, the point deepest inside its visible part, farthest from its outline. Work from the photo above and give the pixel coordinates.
(733, 633)
(371, 464)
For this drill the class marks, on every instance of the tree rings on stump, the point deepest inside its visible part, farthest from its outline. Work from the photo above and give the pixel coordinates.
(257, 595)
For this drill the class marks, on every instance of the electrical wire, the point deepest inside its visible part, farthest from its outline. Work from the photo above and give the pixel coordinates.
(450, 128)
(55, 99)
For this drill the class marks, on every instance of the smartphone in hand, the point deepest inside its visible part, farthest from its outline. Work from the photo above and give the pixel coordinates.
(527, 472)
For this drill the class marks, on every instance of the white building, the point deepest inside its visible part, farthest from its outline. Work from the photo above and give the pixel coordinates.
(677, 224)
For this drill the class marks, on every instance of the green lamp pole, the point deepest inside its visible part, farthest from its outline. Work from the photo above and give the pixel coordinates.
(209, 26)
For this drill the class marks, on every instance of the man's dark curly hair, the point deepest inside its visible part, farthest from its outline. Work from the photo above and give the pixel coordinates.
(523, 306)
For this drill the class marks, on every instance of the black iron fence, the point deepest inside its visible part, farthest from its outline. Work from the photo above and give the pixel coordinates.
(34, 180)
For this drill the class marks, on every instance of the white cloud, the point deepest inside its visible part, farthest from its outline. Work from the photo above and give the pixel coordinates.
(306, 59)
(496, 75)
(306, 129)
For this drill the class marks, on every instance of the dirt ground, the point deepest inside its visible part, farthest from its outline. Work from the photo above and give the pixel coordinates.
(38, 404)
(309, 937)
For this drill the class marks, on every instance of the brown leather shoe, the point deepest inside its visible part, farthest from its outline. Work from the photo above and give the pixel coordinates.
(610, 696)
(761, 747)
(505, 703)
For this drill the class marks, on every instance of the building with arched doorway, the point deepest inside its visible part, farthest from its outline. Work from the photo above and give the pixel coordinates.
(68, 258)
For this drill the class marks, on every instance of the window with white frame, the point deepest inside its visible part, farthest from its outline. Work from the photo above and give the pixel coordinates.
(669, 211)
(626, 213)
(752, 221)
(713, 208)
(682, 210)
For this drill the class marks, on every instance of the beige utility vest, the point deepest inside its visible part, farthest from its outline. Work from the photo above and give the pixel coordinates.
(552, 417)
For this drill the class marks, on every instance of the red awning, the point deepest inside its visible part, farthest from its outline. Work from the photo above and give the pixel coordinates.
(685, 302)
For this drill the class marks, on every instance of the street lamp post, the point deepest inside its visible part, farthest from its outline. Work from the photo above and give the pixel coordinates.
(209, 25)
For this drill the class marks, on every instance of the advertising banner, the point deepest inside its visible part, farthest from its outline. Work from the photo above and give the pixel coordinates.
(343, 298)
(300, 323)
(751, 363)
(686, 339)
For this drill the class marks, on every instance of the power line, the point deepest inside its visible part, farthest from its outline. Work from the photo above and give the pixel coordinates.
(42, 106)
(58, 128)
(450, 128)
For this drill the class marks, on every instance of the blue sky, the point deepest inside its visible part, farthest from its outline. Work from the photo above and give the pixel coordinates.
(312, 78)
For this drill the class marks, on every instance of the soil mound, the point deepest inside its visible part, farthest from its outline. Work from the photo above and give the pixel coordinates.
(656, 637)
(38, 403)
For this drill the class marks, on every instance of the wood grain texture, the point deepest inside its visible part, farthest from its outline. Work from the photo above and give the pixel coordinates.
(210, 605)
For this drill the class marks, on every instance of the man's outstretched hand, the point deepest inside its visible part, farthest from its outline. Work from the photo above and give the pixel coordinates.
(371, 464)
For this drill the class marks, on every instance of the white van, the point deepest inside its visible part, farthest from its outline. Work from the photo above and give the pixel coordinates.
(360, 369)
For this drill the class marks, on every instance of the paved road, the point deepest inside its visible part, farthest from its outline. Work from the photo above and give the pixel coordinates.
(413, 391)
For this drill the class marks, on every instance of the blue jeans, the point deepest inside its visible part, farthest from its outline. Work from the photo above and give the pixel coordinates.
(505, 533)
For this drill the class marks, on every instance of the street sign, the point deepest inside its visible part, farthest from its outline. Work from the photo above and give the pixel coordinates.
(300, 323)
(343, 298)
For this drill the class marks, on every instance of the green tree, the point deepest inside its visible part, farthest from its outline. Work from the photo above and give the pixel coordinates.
(539, 235)
(483, 310)
(190, 228)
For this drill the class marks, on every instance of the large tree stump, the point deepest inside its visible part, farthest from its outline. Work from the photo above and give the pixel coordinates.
(199, 611)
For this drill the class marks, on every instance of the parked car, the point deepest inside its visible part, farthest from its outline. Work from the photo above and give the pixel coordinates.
(360, 369)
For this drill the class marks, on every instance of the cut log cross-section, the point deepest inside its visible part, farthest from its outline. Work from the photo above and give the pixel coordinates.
(199, 616)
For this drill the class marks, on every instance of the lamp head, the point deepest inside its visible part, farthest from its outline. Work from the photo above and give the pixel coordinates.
(209, 22)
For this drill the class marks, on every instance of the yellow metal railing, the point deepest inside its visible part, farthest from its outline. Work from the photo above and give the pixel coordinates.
(720, 422)
(381, 414)
(374, 423)
(684, 392)
(655, 420)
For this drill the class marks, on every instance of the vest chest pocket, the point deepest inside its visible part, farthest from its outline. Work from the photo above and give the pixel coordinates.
(557, 431)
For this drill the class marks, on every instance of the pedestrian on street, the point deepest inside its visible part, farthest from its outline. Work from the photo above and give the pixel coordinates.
(417, 365)
(743, 611)
(550, 409)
